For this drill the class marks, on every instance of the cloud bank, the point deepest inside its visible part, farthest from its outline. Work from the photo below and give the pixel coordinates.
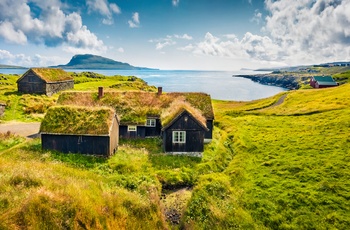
(296, 32)
(48, 25)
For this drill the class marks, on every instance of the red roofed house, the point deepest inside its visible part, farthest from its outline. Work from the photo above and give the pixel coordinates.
(322, 82)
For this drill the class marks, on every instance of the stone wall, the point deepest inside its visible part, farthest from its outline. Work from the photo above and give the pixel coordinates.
(2, 109)
(55, 87)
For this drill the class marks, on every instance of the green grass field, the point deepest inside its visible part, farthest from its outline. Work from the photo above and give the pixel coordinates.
(282, 167)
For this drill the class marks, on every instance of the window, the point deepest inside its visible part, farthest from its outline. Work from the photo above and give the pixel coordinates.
(132, 128)
(179, 136)
(151, 123)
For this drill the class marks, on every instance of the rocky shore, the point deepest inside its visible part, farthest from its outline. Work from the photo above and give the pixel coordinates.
(280, 80)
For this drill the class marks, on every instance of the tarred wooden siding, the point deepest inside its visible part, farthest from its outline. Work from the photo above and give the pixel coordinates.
(84, 144)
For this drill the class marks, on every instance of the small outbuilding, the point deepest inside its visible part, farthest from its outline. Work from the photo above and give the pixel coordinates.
(184, 129)
(44, 81)
(322, 82)
(85, 130)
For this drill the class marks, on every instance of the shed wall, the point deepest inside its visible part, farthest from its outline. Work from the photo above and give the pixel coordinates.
(31, 84)
(55, 87)
(124, 133)
(91, 145)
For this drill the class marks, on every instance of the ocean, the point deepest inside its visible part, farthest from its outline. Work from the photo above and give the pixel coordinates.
(219, 84)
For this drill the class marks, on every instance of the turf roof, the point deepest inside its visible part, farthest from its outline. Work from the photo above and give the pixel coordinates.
(176, 108)
(133, 107)
(50, 74)
(78, 120)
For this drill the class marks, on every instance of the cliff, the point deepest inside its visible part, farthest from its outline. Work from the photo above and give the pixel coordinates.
(281, 80)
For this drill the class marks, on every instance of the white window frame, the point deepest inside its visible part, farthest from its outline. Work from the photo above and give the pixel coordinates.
(179, 137)
(132, 128)
(151, 122)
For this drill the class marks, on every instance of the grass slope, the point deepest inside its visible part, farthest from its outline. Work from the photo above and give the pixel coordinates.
(282, 167)
(289, 170)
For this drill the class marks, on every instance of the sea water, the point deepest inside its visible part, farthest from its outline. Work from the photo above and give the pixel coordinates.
(220, 85)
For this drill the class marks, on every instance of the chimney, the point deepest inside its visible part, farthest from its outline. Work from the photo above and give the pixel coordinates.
(160, 91)
(100, 92)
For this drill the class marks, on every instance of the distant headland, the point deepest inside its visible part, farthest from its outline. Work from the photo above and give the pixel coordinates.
(89, 61)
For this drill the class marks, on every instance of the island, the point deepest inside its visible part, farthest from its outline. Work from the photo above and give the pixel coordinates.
(90, 61)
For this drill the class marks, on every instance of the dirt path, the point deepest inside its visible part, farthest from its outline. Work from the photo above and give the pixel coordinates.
(29, 130)
(280, 101)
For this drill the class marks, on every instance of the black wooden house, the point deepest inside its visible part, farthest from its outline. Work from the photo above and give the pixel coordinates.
(85, 130)
(184, 134)
(44, 81)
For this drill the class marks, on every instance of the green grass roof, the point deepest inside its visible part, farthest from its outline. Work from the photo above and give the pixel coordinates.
(78, 120)
(178, 107)
(133, 107)
(51, 74)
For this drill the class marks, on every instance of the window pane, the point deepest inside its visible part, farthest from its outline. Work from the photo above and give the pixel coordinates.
(179, 136)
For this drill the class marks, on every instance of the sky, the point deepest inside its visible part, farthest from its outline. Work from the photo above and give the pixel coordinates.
(176, 34)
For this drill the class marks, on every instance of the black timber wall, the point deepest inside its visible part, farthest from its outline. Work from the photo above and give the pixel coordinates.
(139, 133)
(94, 145)
(210, 126)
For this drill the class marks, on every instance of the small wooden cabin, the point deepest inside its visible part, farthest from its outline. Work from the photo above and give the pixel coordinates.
(184, 134)
(44, 81)
(85, 130)
(322, 82)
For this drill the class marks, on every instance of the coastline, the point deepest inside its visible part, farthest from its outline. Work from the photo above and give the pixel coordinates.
(290, 82)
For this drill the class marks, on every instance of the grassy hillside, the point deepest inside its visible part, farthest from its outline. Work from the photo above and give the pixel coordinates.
(281, 167)
(27, 108)
(290, 170)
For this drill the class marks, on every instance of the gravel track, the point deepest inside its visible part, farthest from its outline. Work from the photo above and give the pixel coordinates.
(29, 130)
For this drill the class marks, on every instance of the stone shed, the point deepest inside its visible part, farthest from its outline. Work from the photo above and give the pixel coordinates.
(44, 81)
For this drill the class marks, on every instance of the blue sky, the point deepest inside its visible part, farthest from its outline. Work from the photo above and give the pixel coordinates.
(176, 34)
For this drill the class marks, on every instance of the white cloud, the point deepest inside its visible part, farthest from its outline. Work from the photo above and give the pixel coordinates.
(257, 17)
(120, 50)
(184, 36)
(169, 40)
(311, 31)
(104, 8)
(49, 26)
(135, 20)
(23, 60)
(114, 8)
(11, 35)
(176, 2)
(296, 32)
